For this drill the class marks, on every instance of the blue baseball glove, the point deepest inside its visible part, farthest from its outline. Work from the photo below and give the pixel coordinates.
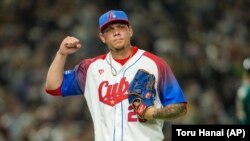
(142, 91)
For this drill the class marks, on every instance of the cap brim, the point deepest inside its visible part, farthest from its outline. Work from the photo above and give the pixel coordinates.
(113, 21)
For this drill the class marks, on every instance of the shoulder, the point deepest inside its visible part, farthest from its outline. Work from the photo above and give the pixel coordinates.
(90, 61)
(152, 56)
(86, 63)
(156, 59)
(161, 64)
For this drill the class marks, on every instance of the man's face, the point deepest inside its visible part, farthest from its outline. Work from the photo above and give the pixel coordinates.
(116, 35)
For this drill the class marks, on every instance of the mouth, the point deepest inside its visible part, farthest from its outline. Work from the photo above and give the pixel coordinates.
(118, 40)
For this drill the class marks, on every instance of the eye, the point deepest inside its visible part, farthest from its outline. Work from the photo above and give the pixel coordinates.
(108, 30)
(121, 26)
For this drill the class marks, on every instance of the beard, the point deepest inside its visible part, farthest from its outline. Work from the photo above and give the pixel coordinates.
(119, 48)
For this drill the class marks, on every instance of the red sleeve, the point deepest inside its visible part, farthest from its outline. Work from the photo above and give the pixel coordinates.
(55, 92)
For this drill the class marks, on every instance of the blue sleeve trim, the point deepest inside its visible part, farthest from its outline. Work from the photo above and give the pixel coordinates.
(70, 86)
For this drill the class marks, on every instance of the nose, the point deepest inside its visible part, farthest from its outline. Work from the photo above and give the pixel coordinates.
(116, 31)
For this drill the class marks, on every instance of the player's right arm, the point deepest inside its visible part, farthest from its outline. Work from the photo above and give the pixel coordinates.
(55, 73)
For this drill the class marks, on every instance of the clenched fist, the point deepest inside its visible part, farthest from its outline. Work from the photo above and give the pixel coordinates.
(69, 45)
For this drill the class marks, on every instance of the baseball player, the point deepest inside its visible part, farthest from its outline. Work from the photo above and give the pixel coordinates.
(104, 81)
(243, 95)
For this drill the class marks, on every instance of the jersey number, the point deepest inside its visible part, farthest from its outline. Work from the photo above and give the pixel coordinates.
(132, 116)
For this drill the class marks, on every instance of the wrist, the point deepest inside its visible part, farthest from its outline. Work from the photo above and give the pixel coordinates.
(149, 114)
(61, 53)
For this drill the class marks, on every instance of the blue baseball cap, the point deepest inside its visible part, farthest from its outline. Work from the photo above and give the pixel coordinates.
(111, 17)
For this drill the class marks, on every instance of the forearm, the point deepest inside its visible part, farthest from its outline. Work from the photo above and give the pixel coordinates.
(169, 112)
(55, 73)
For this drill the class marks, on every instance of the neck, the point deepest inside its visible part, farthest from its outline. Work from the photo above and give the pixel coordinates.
(121, 53)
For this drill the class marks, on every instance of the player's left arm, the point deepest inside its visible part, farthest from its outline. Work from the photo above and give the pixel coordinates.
(174, 103)
(170, 111)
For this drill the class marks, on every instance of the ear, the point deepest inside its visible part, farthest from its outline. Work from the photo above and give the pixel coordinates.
(102, 37)
(131, 30)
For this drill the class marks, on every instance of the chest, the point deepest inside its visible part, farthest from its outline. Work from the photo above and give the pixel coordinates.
(108, 81)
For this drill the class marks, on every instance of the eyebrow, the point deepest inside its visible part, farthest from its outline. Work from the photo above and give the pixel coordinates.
(120, 22)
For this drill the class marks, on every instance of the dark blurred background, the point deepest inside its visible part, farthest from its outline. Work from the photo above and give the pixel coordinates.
(204, 41)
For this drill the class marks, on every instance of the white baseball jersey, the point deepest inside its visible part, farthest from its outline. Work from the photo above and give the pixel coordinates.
(107, 99)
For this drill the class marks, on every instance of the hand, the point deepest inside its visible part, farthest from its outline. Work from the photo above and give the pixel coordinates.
(141, 93)
(69, 45)
(148, 112)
